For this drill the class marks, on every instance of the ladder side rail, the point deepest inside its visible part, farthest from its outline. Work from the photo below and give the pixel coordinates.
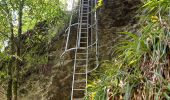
(75, 47)
(87, 56)
(79, 25)
(75, 59)
(68, 33)
(91, 24)
(96, 29)
(74, 67)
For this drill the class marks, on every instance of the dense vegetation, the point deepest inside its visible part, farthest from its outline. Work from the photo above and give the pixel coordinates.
(26, 30)
(139, 69)
(140, 66)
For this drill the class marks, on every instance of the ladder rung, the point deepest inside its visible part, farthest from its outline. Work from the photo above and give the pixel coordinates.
(80, 73)
(81, 53)
(84, 32)
(78, 81)
(83, 37)
(83, 42)
(84, 20)
(85, 13)
(79, 89)
(84, 28)
(85, 16)
(82, 48)
(86, 7)
(83, 23)
(81, 59)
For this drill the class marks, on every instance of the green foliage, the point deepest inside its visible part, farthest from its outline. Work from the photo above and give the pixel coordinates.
(42, 19)
(40, 10)
(46, 12)
(99, 4)
(156, 6)
(166, 93)
(138, 69)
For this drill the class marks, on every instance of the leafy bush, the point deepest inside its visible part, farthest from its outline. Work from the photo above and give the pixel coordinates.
(140, 69)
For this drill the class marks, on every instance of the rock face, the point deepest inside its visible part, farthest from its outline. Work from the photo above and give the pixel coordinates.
(118, 13)
(115, 16)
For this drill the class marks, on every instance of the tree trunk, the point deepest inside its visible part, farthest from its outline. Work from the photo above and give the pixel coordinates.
(12, 52)
(10, 80)
(20, 13)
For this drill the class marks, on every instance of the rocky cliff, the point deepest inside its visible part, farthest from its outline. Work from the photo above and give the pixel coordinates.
(53, 81)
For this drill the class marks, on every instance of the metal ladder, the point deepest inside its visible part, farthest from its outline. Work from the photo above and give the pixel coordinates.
(80, 70)
(86, 45)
